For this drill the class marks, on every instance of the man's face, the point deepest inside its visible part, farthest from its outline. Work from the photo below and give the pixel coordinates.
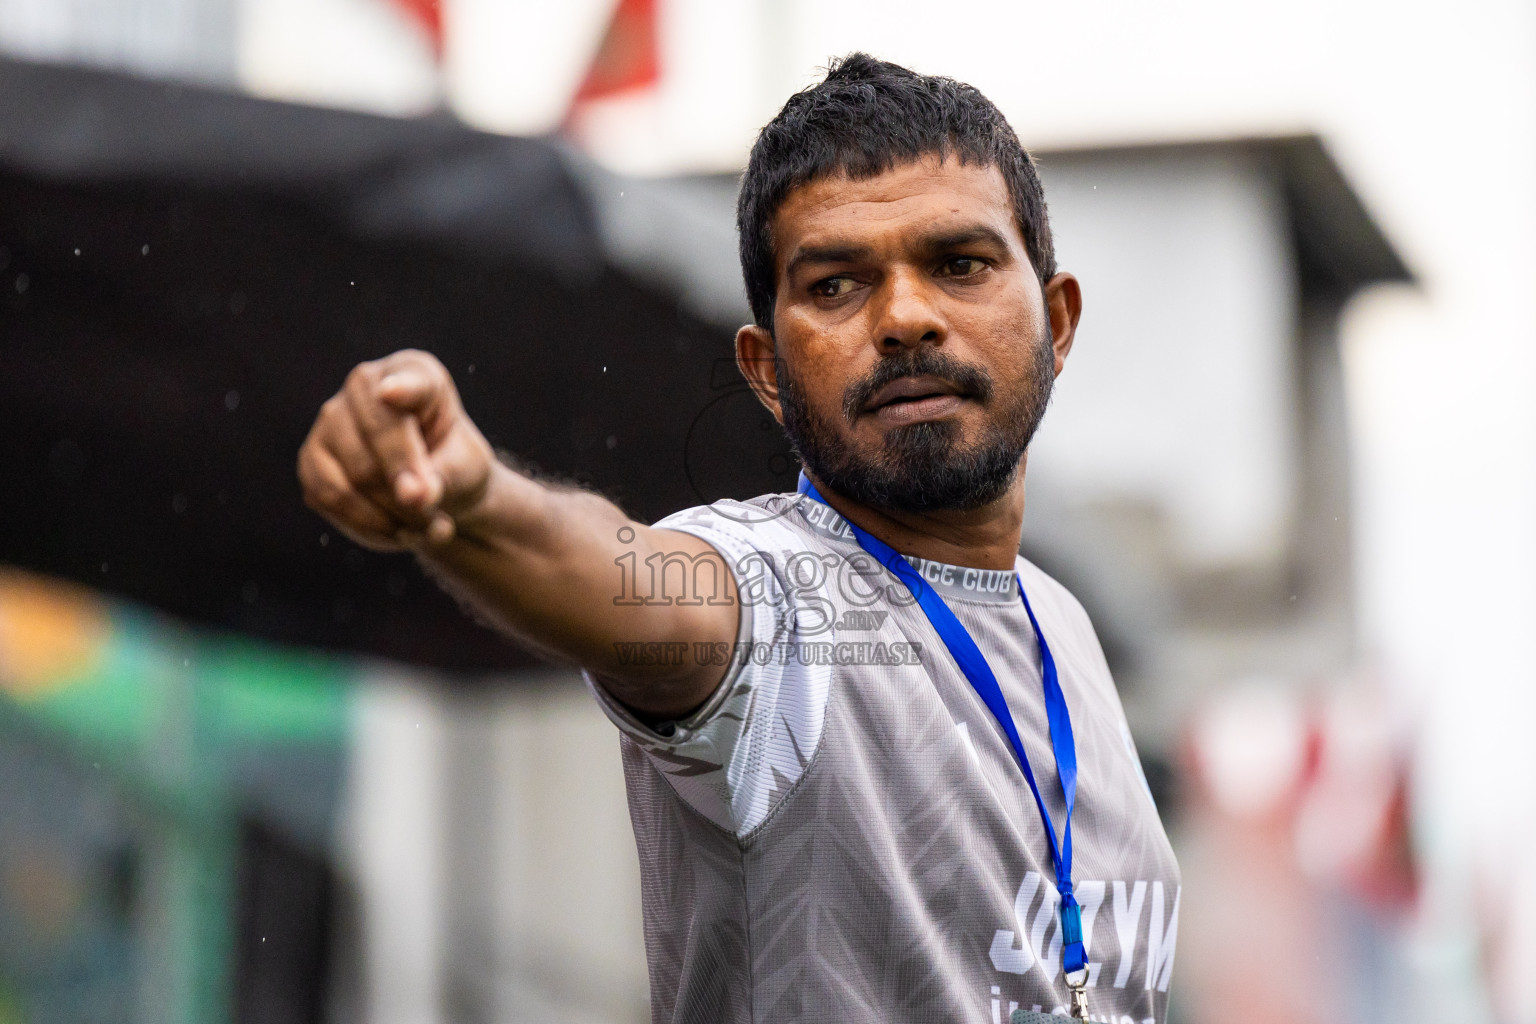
(914, 348)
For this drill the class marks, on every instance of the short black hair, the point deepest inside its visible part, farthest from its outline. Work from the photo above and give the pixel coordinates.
(863, 119)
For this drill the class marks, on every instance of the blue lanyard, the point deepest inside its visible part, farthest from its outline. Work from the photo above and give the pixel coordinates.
(974, 665)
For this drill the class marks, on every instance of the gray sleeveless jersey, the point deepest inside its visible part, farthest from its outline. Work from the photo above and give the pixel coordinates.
(842, 832)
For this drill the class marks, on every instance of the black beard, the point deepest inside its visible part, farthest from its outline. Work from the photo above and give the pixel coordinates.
(922, 467)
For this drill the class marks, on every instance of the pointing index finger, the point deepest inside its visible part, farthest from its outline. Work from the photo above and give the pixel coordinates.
(407, 389)
(417, 485)
(395, 437)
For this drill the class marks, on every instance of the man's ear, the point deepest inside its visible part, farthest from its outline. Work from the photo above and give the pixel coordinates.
(1064, 305)
(755, 355)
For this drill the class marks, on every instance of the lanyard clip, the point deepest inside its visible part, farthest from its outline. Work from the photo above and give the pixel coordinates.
(1077, 987)
(1074, 958)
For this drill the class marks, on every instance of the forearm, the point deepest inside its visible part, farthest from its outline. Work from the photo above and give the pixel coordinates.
(543, 563)
(529, 555)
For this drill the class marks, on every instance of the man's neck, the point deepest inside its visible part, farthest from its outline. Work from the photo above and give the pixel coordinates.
(986, 537)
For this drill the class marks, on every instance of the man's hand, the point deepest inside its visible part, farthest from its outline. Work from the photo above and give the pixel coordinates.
(393, 460)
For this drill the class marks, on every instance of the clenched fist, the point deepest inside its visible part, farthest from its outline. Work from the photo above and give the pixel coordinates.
(393, 460)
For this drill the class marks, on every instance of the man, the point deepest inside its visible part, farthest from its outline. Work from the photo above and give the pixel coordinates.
(826, 743)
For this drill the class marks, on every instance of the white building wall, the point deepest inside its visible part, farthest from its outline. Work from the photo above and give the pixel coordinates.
(193, 40)
(486, 842)
(564, 886)
(392, 848)
(360, 54)
(1178, 392)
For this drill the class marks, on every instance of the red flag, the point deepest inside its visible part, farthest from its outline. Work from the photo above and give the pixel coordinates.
(429, 15)
(627, 58)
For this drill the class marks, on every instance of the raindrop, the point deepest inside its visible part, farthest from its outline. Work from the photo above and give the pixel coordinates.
(605, 369)
(144, 250)
(77, 252)
(103, 566)
(179, 504)
(22, 281)
(325, 539)
(471, 367)
(232, 400)
(612, 442)
(237, 303)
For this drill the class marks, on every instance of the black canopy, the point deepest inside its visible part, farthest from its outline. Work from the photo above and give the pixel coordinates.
(186, 275)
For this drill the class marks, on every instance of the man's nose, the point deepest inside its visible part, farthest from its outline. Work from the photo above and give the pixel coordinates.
(910, 314)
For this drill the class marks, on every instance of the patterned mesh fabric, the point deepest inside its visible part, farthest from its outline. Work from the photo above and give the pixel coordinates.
(842, 833)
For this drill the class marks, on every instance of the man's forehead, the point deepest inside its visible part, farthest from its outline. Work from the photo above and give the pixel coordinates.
(926, 192)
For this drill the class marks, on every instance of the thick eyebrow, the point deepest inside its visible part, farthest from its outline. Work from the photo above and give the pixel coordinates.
(942, 241)
(959, 238)
(834, 253)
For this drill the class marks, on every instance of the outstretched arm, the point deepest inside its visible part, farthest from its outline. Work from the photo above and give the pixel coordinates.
(395, 463)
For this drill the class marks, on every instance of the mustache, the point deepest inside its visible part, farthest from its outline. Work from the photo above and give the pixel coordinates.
(971, 380)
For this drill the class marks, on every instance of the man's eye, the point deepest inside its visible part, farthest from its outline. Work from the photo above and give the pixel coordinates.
(833, 287)
(963, 266)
